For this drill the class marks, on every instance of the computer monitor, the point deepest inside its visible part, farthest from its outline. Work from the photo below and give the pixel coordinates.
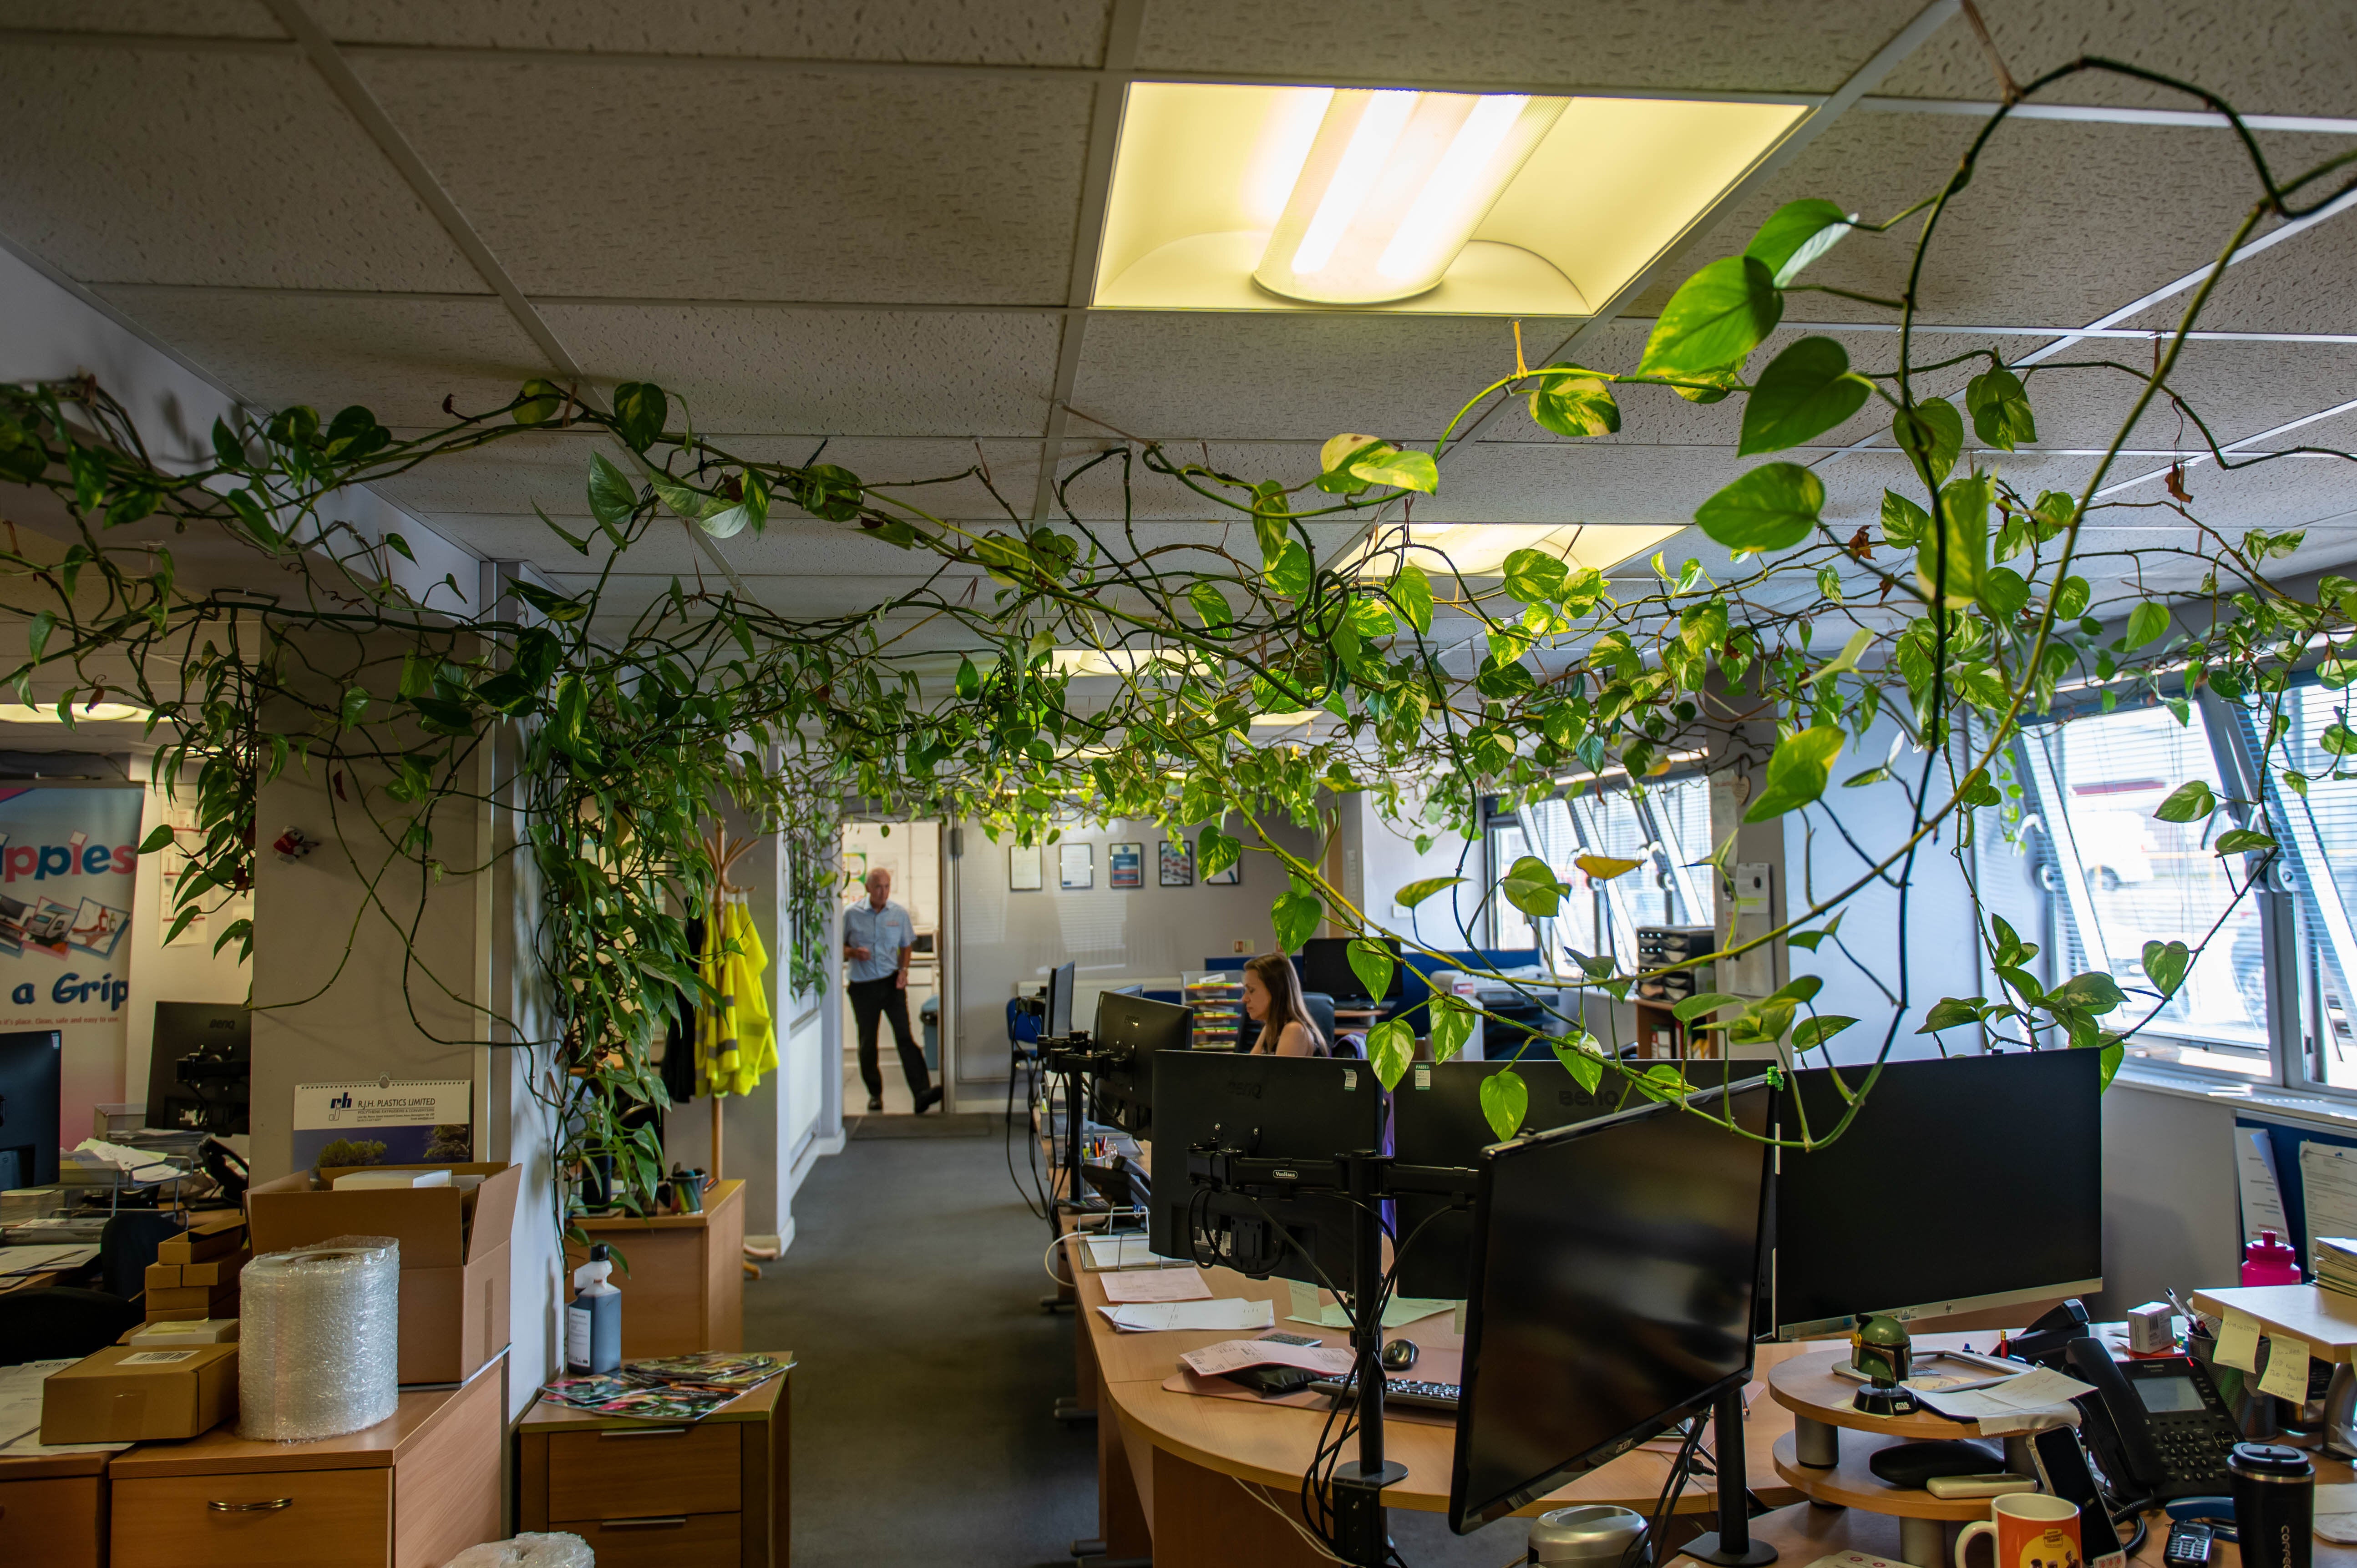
(1326, 966)
(200, 1066)
(1962, 1183)
(1137, 989)
(32, 1080)
(1436, 1120)
(1307, 1108)
(1059, 1001)
(1614, 1273)
(1130, 1029)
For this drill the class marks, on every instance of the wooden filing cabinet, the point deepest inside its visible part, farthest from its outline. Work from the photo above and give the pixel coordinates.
(682, 1275)
(410, 1492)
(705, 1494)
(53, 1510)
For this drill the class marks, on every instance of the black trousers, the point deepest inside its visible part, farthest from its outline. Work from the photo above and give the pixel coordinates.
(874, 999)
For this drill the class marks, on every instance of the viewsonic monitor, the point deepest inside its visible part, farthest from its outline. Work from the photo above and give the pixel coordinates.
(1306, 1108)
(199, 1067)
(1614, 1275)
(1133, 1030)
(1986, 1178)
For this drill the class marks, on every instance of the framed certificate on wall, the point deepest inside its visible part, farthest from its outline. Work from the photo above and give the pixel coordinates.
(1076, 865)
(1023, 869)
(1125, 866)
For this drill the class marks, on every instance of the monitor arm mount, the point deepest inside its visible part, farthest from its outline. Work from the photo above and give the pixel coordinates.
(1366, 1177)
(1073, 1056)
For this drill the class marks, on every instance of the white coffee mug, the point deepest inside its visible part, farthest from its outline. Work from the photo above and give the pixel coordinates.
(2029, 1529)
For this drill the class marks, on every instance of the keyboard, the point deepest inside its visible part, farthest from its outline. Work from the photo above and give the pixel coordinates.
(1413, 1391)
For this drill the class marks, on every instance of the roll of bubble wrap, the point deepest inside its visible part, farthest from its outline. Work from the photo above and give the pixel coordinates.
(321, 1344)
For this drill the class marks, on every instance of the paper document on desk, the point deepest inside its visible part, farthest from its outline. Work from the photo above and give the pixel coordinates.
(1162, 1316)
(2255, 1181)
(41, 1259)
(2328, 1183)
(1108, 1253)
(1398, 1310)
(2030, 1402)
(1235, 1355)
(1157, 1284)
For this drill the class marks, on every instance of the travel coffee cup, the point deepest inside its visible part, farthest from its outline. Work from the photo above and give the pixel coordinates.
(2274, 1505)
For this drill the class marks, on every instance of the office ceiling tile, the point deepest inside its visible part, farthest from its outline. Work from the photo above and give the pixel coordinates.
(177, 18)
(399, 357)
(1008, 32)
(203, 166)
(705, 182)
(2065, 221)
(861, 372)
(2305, 284)
(545, 467)
(1535, 481)
(1290, 376)
(2289, 56)
(1807, 46)
(2237, 389)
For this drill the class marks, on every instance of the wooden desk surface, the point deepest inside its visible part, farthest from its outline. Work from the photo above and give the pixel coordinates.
(1271, 1444)
(1804, 1533)
(2326, 1319)
(753, 1404)
(222, 1451)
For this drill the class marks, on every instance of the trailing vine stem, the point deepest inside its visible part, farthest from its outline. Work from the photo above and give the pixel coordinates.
(1095, 676)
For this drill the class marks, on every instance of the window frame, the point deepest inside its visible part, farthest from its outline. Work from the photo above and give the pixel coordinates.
(2293, 991)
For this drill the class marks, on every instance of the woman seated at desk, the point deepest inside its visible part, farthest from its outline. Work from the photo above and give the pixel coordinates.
(1273, 1000)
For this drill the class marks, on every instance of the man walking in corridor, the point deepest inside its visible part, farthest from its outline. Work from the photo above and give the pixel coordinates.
(877, 938)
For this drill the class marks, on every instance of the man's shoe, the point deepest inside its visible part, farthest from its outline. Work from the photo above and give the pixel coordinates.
(927, 1101)
(875, 1103)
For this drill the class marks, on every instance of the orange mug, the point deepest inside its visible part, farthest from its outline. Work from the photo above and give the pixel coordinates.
(2031, 1530)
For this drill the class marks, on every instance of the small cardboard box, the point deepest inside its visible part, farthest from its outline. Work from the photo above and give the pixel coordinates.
(220, 1271)
(454, 1254)
(129, 1393)
(209, 1236)
(162, 1276)
(218, 1306)
(193, 1296)
(192, 1331)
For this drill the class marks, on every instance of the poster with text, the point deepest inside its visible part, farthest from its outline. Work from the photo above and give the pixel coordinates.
(69, 859)
(383, 1122)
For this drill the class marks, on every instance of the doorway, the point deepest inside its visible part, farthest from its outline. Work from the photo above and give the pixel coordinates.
(911, 851)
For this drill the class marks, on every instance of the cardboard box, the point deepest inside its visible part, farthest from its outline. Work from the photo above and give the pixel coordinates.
(193, 1296)
(163, 1276)
(129, 1393)
(454, 1255)
(220, 1271)
(217, 1307)
(208, 1236)
(194, 1331)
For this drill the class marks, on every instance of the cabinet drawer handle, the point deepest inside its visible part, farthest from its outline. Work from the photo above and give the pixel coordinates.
(273, 1506)
(671, 1521)
(647, 1431)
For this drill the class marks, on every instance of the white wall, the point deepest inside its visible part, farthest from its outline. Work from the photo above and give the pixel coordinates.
(1939, 939)
(1111, 936)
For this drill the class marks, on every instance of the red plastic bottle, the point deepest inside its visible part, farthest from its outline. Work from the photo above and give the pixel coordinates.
(2269, 1261)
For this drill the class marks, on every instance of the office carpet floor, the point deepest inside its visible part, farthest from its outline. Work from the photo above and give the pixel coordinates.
(921, 1433)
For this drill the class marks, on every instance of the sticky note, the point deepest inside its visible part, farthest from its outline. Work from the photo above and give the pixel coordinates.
(1305, 1301)
(2287, 1373)
(2238, 1342)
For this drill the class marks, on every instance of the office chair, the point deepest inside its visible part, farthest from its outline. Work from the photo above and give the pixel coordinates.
(1321, 1014)
(129, 1243)
(62, 1323)
(1022, 1049)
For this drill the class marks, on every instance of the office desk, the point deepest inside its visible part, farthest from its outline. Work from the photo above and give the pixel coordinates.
(1804, 1532)
(1189, 1480)
(53, 1509)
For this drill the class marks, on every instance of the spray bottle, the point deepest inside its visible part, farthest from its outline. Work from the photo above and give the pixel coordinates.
(593, 1319)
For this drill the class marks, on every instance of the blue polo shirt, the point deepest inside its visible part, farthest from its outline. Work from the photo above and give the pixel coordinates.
(883, 932)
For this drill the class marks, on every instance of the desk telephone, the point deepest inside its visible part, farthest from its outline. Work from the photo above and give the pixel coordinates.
(2157, 1425)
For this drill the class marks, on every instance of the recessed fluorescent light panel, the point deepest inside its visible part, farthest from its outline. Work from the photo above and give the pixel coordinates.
(1480, 549)
(1445, 203)
(97, 713)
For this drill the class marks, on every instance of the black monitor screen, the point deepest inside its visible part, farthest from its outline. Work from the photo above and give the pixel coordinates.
(199, 1072)
(1060, 1000)
(1613, 1292)
(1436, 1120)
(1326, 966)
(1958, 1180)
(1307, 1108)
(1131, 1029)
(31, 1080)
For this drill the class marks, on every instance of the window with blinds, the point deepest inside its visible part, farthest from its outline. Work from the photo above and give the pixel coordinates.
(2118, 877)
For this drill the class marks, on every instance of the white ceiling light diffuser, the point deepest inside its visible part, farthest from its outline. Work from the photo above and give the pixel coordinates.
(1393, 187)
(1255, 198)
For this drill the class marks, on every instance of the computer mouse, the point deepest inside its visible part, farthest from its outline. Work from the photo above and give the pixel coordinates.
(1399, 1355)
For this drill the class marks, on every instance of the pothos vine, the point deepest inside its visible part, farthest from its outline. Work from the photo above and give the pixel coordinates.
(611, 732)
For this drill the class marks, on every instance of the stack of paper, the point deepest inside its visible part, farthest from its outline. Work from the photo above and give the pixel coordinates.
(2030, 1402)
(1162, 1316)
(2334, 1259)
